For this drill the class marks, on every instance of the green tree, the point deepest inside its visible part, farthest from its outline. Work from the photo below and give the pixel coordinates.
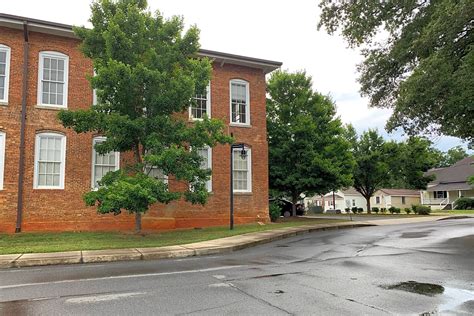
(145, 79)
(453, 155)
(308, 153)
(408, 166)
(423, 68)
(371, 169)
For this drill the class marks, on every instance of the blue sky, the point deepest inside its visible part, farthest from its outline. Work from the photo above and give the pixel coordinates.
(280, 30)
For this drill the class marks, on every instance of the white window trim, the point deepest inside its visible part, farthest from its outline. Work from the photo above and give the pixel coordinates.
(208, 105)
(249, 166)
(117, 159)
(209, 166)
(3, 144)
(40, 76)
(7, 72)
(63, 162)
(247, 108)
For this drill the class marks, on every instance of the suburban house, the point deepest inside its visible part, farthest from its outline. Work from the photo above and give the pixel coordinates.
(450, 184)
(45, 168)
(348, 198)
(401, 198)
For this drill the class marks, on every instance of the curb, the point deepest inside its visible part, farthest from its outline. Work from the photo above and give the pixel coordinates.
(210, 247)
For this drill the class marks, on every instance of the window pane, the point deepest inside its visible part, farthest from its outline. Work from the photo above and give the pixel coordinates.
(3, 69)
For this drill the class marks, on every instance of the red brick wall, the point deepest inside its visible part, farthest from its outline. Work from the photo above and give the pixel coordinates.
(57, 210)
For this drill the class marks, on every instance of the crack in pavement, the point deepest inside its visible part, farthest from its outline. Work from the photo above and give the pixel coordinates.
(345, 298)
(260, 299)
(209, 308)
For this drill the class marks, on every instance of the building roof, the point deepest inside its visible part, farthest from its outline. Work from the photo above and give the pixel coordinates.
(351, 191)
(453, 177)
(65, 30)
(400, 192)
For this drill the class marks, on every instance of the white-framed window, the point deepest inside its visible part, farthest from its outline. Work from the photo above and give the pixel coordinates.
(53, 72)
(202, 105)
(440, 194)
(101, 164)
(239, 102)
(353, 202)
(4, 72)
(377, 200)
(50, 161)
(206, 163)
(242, 171)
(2, 157)
(155, 172)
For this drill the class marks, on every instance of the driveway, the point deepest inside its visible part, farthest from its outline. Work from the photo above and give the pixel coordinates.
(399, 269)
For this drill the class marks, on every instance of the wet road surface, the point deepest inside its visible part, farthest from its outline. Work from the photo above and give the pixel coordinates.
(424, 268)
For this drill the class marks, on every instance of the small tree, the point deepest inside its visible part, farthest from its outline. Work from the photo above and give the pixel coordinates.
(145, 78)
(371, 165)
(307, 151)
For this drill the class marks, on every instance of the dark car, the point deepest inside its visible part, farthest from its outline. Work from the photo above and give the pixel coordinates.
(287, 207)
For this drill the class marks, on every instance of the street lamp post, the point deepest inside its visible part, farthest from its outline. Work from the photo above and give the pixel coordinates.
(243, 154)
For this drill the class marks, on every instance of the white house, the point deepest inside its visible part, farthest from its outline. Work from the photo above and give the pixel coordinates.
(344, 198)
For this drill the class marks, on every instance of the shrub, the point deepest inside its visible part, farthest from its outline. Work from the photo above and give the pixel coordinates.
(375, 210)
(422, 210)
(383, 210)
(391, 209)
(354, 210)
(464, 203)
(347, 209)
(275, 211)
(413, 208)
(407, 210)
(360, 210)
(397, 210)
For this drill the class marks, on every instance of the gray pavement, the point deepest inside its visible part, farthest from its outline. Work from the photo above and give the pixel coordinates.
(337, 272)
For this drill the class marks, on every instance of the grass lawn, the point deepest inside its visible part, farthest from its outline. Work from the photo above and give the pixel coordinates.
(54, 242)
(453, 212)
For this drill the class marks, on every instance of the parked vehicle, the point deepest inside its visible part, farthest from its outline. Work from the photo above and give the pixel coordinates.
(287, 207)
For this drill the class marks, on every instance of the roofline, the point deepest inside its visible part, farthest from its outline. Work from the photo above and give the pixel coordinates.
(66, 31)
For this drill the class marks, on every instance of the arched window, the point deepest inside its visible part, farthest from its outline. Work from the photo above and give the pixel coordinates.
(50, 161)
(242, 169)
(4, 72)
(101, 164)
(239, 102)
(2, 157)
(53, 70)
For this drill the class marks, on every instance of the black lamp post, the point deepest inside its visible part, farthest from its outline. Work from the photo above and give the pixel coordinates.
(243, 154)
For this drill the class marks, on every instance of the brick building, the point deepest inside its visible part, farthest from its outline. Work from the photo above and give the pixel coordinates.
(45, 168)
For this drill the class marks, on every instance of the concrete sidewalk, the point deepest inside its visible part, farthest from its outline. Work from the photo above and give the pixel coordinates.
(215, 246)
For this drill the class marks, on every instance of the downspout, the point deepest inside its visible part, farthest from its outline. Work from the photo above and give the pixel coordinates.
(21, 164)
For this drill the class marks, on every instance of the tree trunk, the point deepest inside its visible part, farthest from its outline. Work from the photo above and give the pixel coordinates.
(138, 222)
(333, 200)
(369, 211)
(293, 208)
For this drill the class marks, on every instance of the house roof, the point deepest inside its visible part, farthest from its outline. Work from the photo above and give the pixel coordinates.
(453, 177)
(351, 191)
(65, 30)
(400, 192)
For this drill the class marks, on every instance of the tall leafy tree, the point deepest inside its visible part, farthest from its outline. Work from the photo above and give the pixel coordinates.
(145, 77)
(372, 168)
(423, 64)
(308, 153)
(409, 162)
(452, 156)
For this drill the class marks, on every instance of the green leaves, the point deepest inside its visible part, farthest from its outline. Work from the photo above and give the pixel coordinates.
(307, 153)
(423, 67)
(146, 75)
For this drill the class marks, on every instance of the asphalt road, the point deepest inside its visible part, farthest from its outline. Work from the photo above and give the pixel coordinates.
(339, 272)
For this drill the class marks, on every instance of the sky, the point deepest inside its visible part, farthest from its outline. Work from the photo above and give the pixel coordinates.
(278, 30)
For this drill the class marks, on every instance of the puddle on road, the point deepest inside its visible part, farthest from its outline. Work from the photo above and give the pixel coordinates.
(454, 301)
(457, 301)
(427, 289)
